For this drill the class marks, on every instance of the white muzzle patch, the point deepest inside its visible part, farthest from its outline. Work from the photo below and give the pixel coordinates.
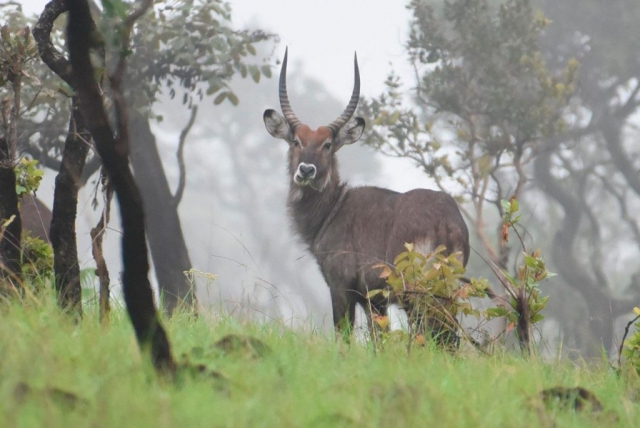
(305, 173)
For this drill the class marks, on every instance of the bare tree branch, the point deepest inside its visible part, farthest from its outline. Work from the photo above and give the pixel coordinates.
(611, 132)
(97, 236)
(42, 35)
(180, 156)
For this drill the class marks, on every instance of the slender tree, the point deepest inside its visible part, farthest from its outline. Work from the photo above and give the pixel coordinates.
(168, 49)
(17, 54)
(190, 48)
(68, 180)
(114, 149)
(484, 101)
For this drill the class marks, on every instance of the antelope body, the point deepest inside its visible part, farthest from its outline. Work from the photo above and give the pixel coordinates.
(349, 230)
(36, 217)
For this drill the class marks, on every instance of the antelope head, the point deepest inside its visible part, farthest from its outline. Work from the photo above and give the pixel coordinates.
(312, 152)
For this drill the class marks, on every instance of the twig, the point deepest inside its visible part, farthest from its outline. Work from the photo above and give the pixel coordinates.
(97, 235)
(180, 155)
(624, 337)
(513, 226)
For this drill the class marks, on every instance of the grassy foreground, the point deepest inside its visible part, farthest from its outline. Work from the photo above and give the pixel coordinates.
(57, 374)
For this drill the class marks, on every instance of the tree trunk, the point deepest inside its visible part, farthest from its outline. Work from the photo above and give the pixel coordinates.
(602, 305)
(10, 260)
(600, 321)
(138, 295)
(63, 222)
(166, 241)
(97, 235)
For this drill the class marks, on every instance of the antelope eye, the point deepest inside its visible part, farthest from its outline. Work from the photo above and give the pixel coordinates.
(327, 146)
(296, 143)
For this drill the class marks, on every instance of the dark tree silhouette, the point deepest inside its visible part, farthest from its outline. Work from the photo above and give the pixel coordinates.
(114, 151)
(13, 64)
(10, 271)
(68, 180)
(590, 173)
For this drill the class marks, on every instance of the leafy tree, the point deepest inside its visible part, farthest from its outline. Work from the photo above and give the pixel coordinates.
(113, 150)
(591, 172)
(189, 49)
(44, 106)
(17, 82)
(483, 103)
(72, 163)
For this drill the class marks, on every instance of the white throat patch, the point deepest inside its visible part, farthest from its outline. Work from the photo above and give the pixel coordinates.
(296, 194)
(326, 182)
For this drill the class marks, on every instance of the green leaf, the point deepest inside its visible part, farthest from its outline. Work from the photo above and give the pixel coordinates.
(530, 261)
(213, 88)
(254, 71)
(373, 293)
(513, 206)
(511, 279)
(496, 312)
(401, 256)
(266, 70)
(536, 318)
(233, 98)
(8, 221)
(439, 249)
(220, 98)
(402, 265)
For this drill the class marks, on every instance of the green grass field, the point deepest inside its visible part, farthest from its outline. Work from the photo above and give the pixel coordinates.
(54, 373)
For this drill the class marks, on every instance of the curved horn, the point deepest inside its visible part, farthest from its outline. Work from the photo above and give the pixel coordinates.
(287, 111)
(353, 102)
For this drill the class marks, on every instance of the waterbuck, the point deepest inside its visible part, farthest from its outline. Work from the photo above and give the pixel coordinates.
(350, 229)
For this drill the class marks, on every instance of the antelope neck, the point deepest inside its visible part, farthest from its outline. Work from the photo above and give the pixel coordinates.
(313, 212)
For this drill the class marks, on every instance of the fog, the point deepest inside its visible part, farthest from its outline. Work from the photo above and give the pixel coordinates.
(233, 211)
(216, 234)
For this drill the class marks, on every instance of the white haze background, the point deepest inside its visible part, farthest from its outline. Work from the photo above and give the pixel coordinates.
(322, 38)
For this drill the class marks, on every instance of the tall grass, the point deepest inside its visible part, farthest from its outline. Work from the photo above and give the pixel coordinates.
(55, 373)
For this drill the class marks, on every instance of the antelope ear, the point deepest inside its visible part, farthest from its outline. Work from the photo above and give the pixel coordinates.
(351, 132)
(277, 125)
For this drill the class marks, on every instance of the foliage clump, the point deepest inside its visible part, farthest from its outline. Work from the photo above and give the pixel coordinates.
(631, 349)
(481, 105)
(190, 49)
(37, 255)
(28, 176)
(433, 290)
(37, 261)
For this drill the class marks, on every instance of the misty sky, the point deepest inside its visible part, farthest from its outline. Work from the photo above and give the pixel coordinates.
(322, 37)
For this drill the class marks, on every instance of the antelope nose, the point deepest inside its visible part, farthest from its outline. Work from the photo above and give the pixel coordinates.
(307, 170)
